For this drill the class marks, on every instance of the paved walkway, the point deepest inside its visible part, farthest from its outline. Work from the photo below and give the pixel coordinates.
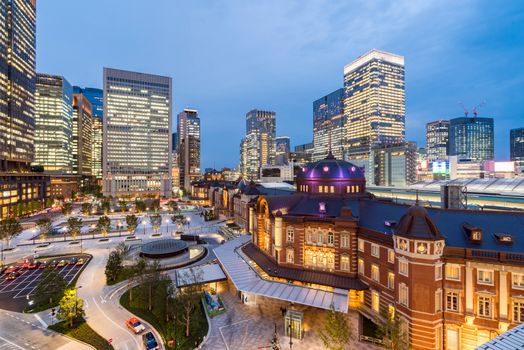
(252, 327)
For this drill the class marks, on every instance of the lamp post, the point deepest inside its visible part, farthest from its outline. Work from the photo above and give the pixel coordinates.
(167, 226)
(76, 299)
(119, 226)
(93, 226)
(34, 232)
(144, 224)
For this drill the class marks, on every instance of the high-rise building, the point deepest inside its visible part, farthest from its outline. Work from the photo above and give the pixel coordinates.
(374, 102)
(394, 164)
(329, 125)
(174, 141)
(258, 146)
(282, 149)
(437, 133)
(96, 97)
(137, 133)
(188, 132)
(516, 146)
(471, 138)
(82, 135)
(53, 124)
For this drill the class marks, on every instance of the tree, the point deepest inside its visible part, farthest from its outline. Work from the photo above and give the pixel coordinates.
(156, 221)
(71, 308)
(67, 208)
(336, 333)
(123, 205)
(86, 208)
(140, 206)
(188, 297)
(390, 330)
(132, 223)
(104, 225)
(155, 204)
(9, 229)
(44, 226)
(106, 206)
(173, 206)
(74, 226)
(113, 266)
(51, 287)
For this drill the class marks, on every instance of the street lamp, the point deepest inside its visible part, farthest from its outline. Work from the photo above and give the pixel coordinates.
(144, 224)
(34, 232)
(167, 226)
(76, 299)
(119, 226)
(93, 227)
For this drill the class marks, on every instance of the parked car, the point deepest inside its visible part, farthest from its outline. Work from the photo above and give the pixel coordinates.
(2, 269)
(62, 263)
(52, 263)
(80, 261)
(135, 325)
(11, 269)
(72, 261)
(149, 341)
(12, 275)
(34, 265)
(43, 265)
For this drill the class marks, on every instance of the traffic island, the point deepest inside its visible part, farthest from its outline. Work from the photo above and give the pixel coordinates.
(82, 332)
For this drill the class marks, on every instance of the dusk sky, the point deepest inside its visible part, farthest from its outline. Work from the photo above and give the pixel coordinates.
(227, 57)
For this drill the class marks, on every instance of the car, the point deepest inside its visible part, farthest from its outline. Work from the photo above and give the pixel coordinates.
(12, 275)
(72, 261)
(149, 341)
(61, 263)
(34, 265)
(11, 269)
(43, 264)
(80, 261)
(135, 325)
(52, 263)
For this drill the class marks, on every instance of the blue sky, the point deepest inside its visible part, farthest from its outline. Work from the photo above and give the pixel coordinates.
(227, 57)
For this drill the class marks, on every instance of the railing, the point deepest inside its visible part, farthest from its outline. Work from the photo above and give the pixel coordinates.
(376, 341)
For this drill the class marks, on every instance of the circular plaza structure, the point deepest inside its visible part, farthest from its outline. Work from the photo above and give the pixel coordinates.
(164, 248)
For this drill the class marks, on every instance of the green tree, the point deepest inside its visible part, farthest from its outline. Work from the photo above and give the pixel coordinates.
(50, 287)
(140, 206)
(132, 223)
(9, 229)
(156, 221)
(123, 205)
(391, 332)
(74, 226)
(336, 333)
(106, 206)
(44, 226)
(71, 307)
(104, 225)
(188, 297)
(173, 206)
(113, 266)
(67, 208)
(86, 208)
(155, 204)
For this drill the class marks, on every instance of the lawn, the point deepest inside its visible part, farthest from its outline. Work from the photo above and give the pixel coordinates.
(83, 332)
(157, 316)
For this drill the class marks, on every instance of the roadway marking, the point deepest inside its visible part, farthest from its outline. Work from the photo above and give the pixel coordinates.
(116, 324)
(229, 325)
(41, 321)
(10, 342)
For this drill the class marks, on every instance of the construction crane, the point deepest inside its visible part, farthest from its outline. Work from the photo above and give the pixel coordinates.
(476, 109)
(466, 112)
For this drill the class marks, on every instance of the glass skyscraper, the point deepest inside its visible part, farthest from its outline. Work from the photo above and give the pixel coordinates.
(82, 135)
(516, 146)
(282, 149)
(188, 138)
(329, 125)
(471, 138)
(54, 124)
(137, 133)
(96, 98)
(437, 140)
(374, 102)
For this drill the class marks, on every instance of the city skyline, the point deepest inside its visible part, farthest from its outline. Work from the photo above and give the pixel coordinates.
(458, 49)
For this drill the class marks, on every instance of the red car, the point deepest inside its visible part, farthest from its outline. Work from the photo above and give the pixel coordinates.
(12, 275)
(10, 270)
(135, 325)
(34, 265)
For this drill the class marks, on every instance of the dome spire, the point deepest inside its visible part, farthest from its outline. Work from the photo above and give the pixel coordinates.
(330, 153)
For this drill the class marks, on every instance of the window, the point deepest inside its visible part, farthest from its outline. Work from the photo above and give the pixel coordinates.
(518, 311)
(453, 272)
(375, 250)
(375, 301)
(331, 238)
(403, 294)
(290, 256)
(320, 189)
(484, 306)
(375, 273)
(438, 300)
(391, 280)
(361, 266)
(320, 238)
(517, 280)
(344, 241)
(391, 312)
(484, 277)
(332, 189)
(360, 245)
(438, 272)
(309, 237)
(452, 301)
(391, 256)
(344, 263)
(403, 268)
(290, 235)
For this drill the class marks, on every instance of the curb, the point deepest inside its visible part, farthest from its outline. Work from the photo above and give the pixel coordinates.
(204, 341)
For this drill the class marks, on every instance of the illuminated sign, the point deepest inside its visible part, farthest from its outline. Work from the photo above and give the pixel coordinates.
(440, 167)
(504, 167)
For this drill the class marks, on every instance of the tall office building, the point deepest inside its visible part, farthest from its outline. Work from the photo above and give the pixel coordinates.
(374, 102)
(394, 164)
(329, 125)
(54, 124)
(82, 135)
(137, 134)
(437, 142)
(96, 97)
(188, 132)
(174, 141)
(22, 191)
(258, 146)
(471, 138)
(282, 149)
(516, 146)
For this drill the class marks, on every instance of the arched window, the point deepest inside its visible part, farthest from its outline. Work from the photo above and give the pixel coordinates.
(290, 235)
(331, 238)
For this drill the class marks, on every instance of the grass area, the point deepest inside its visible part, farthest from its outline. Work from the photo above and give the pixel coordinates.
(157, 316)
(83, 332)
(123, 274)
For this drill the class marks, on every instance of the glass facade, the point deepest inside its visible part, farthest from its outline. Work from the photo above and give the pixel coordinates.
(471, 138)
(282, 149)
(96, 98)
(374, 102)
(329, 124)
(137, 134)
(188, 131)
(54, 124)
(82, 135)
(516, 146)
(394, 165)
(437, 134)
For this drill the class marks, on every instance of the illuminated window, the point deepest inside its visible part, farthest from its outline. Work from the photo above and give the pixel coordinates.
(518, 311)
(375, 301)
(344, 241)
(453, 272)
(332, 189)
(517, 280)
(484, 306)
(403, 268)
(403, 294)
(391, 256)
(290, 236)
(452, 301)
(438, 300)
(375, 273)
(391, 280)
(391, 312)
(485, 277)
(344, 263)
(290, 255)
(331, 238)
(375, 250)
(361, 245)
(360, 266)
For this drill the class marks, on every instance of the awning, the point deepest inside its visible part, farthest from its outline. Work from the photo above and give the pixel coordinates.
(199, 274)
(247, 280)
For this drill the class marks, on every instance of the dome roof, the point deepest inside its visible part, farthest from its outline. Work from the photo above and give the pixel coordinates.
(416, 223)
(331, 168)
